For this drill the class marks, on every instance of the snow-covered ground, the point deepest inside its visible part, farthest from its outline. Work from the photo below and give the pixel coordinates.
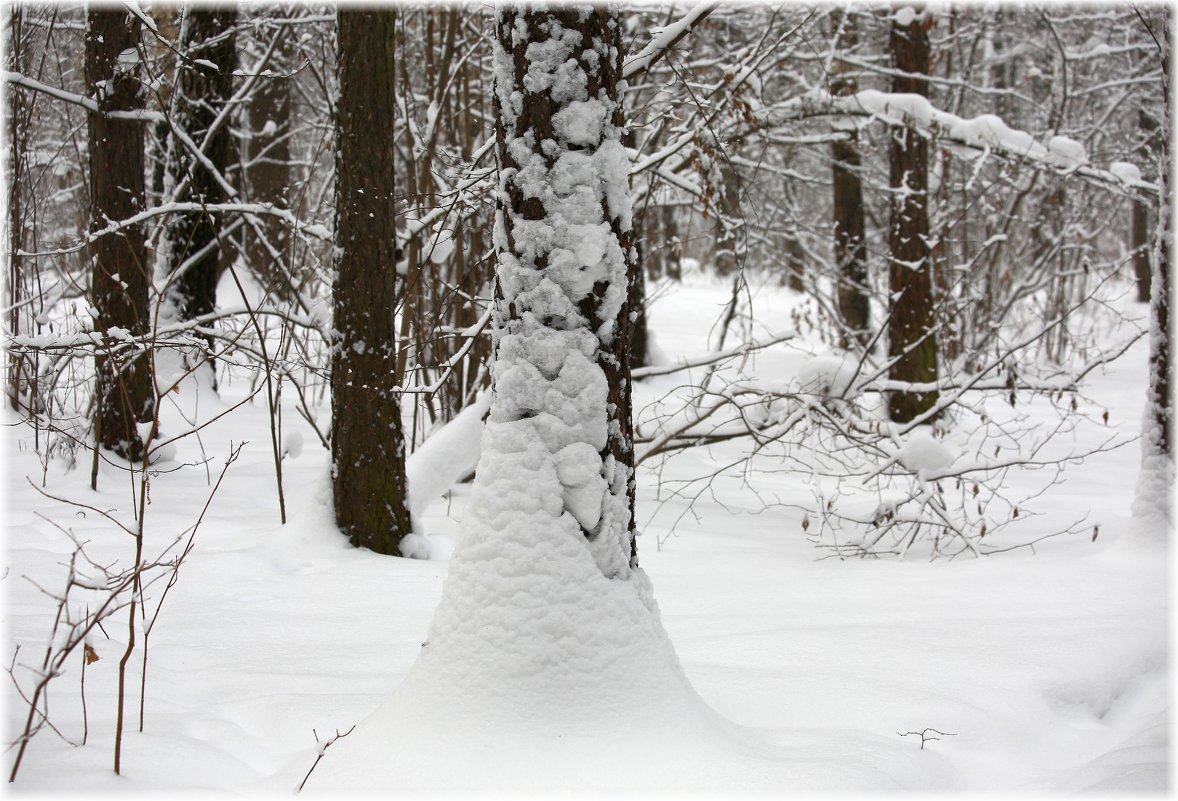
(1045, 669)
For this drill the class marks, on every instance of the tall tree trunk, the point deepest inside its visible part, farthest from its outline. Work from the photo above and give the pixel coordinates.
(912, 342)
(1154, 492)
(673, 243)
(1142, 245)
(16, 128)
(1160, 365)
(203, 87)
(637, 334)
(850, 245)
(729, 226)
(636, 281)
(562, 371)
(367, 446)
(1142, 234)
(267, 175)
(120, 274)
(795, 264)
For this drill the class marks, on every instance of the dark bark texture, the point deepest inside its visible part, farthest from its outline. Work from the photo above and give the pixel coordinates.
(1160, 356)
(912, 339)
(367, 445)
(729, 225)
(850, 245)
(16, 130)
(535, 123)
(268, 174)
(119, 277)
(1142, 233)
(204, 84)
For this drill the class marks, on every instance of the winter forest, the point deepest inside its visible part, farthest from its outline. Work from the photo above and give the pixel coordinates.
(665, 397)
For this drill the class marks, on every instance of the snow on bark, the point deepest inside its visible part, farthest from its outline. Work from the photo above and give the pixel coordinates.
(367, 445)
(119, 284)
(189, 253)
(1153, 495)
(562, 237)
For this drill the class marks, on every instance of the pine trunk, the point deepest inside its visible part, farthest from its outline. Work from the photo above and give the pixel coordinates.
(562, 370)
(203, 86)
(16, 129)
(268, 172)
(119, 278)
(1161, 389)
(850, 245)
(367, 445)
(912, 342)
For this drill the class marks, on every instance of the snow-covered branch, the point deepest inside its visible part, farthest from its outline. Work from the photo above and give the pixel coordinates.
(977, 136)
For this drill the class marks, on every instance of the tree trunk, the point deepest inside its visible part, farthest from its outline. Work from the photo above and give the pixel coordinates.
(795, 264)
(637, 303)
(912, 342)
(1141, 250)
(203, 86)
(367, 446)
(850, 245)
(17, 131)
(729, 226)
(636, 282)
(1160, 365)
(1152, 502)
(562, 371)
(673, 244)
(1142, 234)
(268, 173)
(120, 274)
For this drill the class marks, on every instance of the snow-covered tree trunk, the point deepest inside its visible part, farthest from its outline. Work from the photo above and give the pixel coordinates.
(912, 341)
(562, 370)
(367, 446)
(1155, 483)
(546, 628)
(204, 84)
(119, 274)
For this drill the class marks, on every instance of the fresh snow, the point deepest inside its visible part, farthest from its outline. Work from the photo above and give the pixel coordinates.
(1126, 172)
(922, 453)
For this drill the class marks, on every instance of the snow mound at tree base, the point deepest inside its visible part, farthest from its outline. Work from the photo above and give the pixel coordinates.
(485, 745)
(540, 672)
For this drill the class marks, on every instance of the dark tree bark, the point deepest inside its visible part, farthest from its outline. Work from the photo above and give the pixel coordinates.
(1161, 385)
(850, 244)
(203, 86)
(729, 226)
(1142, 244)
(912, 342)
(673, 257)
(563, 306)
(1142, 233)
(795, 264)
(637, 302)
(1160, 364)
(367, 446)
(167, 21)
(16, 129)
(636, 281)
(268, 172)
(120, 274)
